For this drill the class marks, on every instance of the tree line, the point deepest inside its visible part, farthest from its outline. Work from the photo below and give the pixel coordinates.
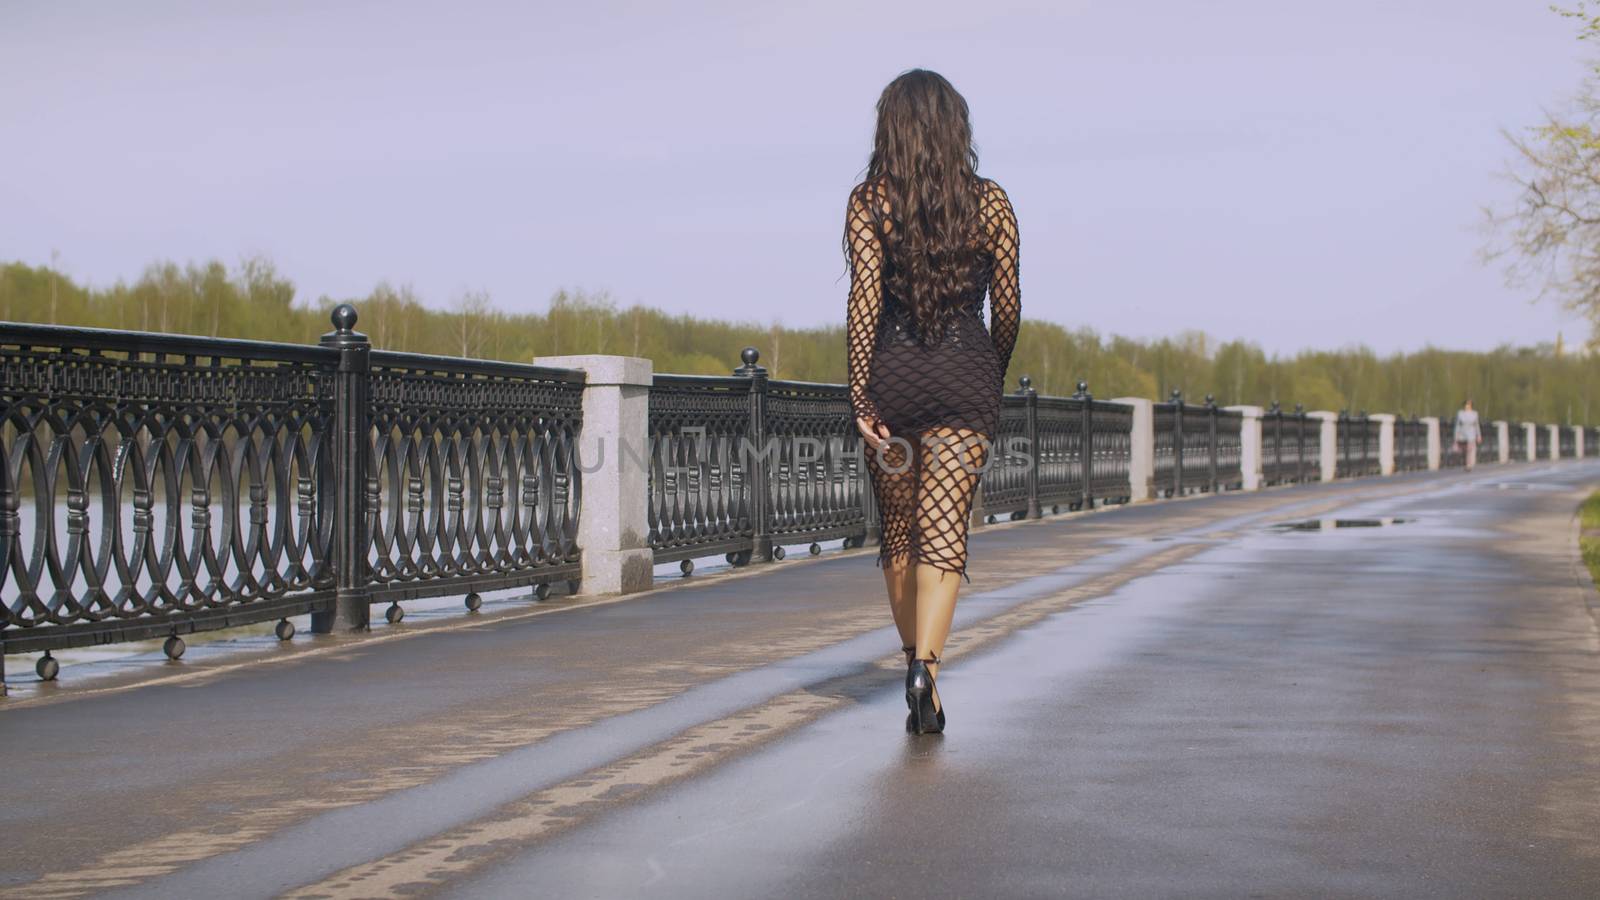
(253, 300)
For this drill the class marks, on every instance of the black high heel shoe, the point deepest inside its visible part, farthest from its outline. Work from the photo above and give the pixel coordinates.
(924, 718)
(910, 650)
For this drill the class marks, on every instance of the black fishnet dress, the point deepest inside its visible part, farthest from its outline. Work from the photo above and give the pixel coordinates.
(943, 400)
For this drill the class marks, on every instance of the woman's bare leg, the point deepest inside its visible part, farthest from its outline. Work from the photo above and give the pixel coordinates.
(952, 462)
(900, 577)
(895, 479)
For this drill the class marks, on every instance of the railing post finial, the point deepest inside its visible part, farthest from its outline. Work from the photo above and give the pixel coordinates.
(344, 330)
(751, 358)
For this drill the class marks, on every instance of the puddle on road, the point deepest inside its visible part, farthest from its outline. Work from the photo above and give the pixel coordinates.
(1521, 486)
(1332, 524)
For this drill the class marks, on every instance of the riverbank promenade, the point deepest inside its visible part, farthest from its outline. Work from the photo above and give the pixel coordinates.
(1369, 687)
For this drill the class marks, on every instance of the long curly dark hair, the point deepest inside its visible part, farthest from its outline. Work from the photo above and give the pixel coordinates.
(925, 166)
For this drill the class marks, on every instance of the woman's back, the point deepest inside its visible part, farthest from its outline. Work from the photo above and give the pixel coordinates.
(989, 237)
(919, 387)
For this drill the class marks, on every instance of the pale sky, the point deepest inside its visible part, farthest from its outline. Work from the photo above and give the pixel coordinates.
(1299, 175)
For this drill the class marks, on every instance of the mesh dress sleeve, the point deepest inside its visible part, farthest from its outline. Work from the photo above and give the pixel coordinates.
(865, 304)
(1005, 291)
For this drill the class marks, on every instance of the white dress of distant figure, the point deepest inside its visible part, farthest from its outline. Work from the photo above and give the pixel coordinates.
(1468, 435)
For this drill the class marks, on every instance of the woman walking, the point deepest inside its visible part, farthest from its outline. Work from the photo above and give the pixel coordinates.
(1468, 436)
(926, 238)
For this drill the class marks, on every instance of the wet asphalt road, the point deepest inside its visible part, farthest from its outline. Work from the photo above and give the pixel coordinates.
(1167, 700)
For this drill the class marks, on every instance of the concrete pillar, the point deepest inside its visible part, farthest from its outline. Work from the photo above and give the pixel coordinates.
(613, 454)
(1385, 441)
(1330, 442)
(1530, 433)
(1577, 441)
(1250, 445)
(1502, 431)
(1434, 447)
(1142, 465)
(1554, 432)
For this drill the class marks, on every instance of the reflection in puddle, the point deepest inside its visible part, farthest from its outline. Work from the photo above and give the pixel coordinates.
(1330, 524)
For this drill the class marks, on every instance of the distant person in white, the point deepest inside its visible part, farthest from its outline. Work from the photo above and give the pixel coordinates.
(1468, 434)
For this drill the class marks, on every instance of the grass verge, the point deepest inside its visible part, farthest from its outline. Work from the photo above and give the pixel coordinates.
(1589, 537)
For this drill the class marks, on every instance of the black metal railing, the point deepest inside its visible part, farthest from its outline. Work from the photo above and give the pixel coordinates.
(1227, 428)
(1451, 454)
(1410, 444)
(742, 464)
(1289, 445)
(473, 476)
(1011, 485)
(1519, 441)
(1057, 453)
(1489, 451)
(162, 485)
(1197, 447)
(1541, 442)
(1357, 446)
(1569, 442)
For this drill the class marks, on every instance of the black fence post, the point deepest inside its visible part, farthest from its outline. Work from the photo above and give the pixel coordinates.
(1300, 443)
(1411, 443)
(1276, 412)
(1341, 466)
(1086, 445)
(1031, 429)
(1368, 455)
(760, 474)
(351, 611)
(1211, 421)
(1177, 443)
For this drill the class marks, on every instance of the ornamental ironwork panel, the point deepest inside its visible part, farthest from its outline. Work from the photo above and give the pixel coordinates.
(702, 450)
(1541, 442)
(1069, 452)
(1490, 451)
(1058, 452)
(1410, 445)
(1275, 445)
(1230, 449)
(1311, 448)
(1199, 448)
(159, 484)
(1289, 441)
(818, 486)
(1452, 455)
(154, 484)
(1004, 484)
(472, 475)
(1111, 441)
(1164, 436)
(1357, 446)
(1185, 447)
(1569, 443)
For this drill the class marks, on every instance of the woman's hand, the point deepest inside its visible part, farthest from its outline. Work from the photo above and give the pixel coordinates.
(873, 431)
